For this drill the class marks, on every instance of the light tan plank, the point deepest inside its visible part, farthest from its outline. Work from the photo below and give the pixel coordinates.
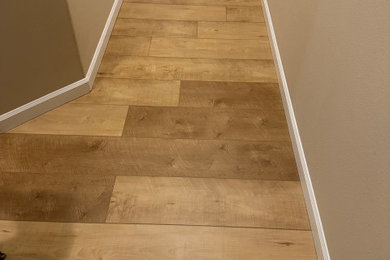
(55, 197)
(210, 48)
(172, 12)
(215, 202)
(78, 119)
(147, 157)
(244, 14)
(155, 28)
(232, 30)
(206, 123)
(125, 45)
(200, 2)
(240, 95)
(39, 240)
(188, 69)
(133, 92)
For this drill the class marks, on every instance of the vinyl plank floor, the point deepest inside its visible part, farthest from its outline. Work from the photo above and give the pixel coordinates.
(54, 197)
(245, 14)
(210, 48)
(126, 45)
(200, 2)
(155, 28)
(147, 157)
(188, 69)
(78, 119)
(206, 123)
(40, 240)
(172, 12)
(232, 30)
(238, 95)
(214, 202)
(133, 92)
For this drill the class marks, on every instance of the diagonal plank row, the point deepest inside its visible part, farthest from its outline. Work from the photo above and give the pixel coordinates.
(189, 29)
(191, 12)
(147, 157)
(120, 241)
(213, 202)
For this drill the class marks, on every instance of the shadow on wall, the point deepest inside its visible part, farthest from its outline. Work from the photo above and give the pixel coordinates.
(38, 52)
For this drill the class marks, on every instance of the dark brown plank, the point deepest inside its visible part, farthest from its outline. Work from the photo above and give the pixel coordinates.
(147, 156)
(54, 197)
(206, 123)
(245, 95)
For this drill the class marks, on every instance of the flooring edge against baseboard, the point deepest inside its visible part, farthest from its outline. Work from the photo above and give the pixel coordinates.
(65, 94)
(304, 174)
(103, 41)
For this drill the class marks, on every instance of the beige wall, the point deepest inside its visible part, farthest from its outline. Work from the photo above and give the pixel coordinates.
(89, 18)
(38, 52)
(336, 55)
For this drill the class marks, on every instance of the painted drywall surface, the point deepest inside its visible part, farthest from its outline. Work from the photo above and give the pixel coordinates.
(38, 51)
(88, 18)
(336, 58)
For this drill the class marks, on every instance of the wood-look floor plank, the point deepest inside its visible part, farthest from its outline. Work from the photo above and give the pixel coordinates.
(54, 197)
(232, 30)
(78, 119)
(40, 240)
(126, 45)
(206, 123)
(188, 69)
(211, 48)
(155, 28)
(214, 202)
(133, 92)
(239, 95)
(200, 2)
(245, 14)
(172, 12)
(147, 157)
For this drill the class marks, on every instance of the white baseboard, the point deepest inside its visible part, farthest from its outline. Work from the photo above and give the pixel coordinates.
(68, 93)
(102, 44)
(304, 174)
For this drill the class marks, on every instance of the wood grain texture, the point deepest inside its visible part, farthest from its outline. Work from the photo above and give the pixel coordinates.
(54, 197)
(155, 28)
(200, 2)
(244, 14)
(78, 119)
(172, 12)
(239, 95)
(206, 123)
(133, 92)
(126, 45)
(147, 157)
(232, 30)
(188, 69)
(210, 48)
(37, 240)
(215, 202)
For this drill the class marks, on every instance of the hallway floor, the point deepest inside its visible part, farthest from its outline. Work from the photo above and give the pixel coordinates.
(181, 150)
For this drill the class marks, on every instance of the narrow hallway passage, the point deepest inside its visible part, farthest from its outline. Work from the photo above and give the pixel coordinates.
(180, 151)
